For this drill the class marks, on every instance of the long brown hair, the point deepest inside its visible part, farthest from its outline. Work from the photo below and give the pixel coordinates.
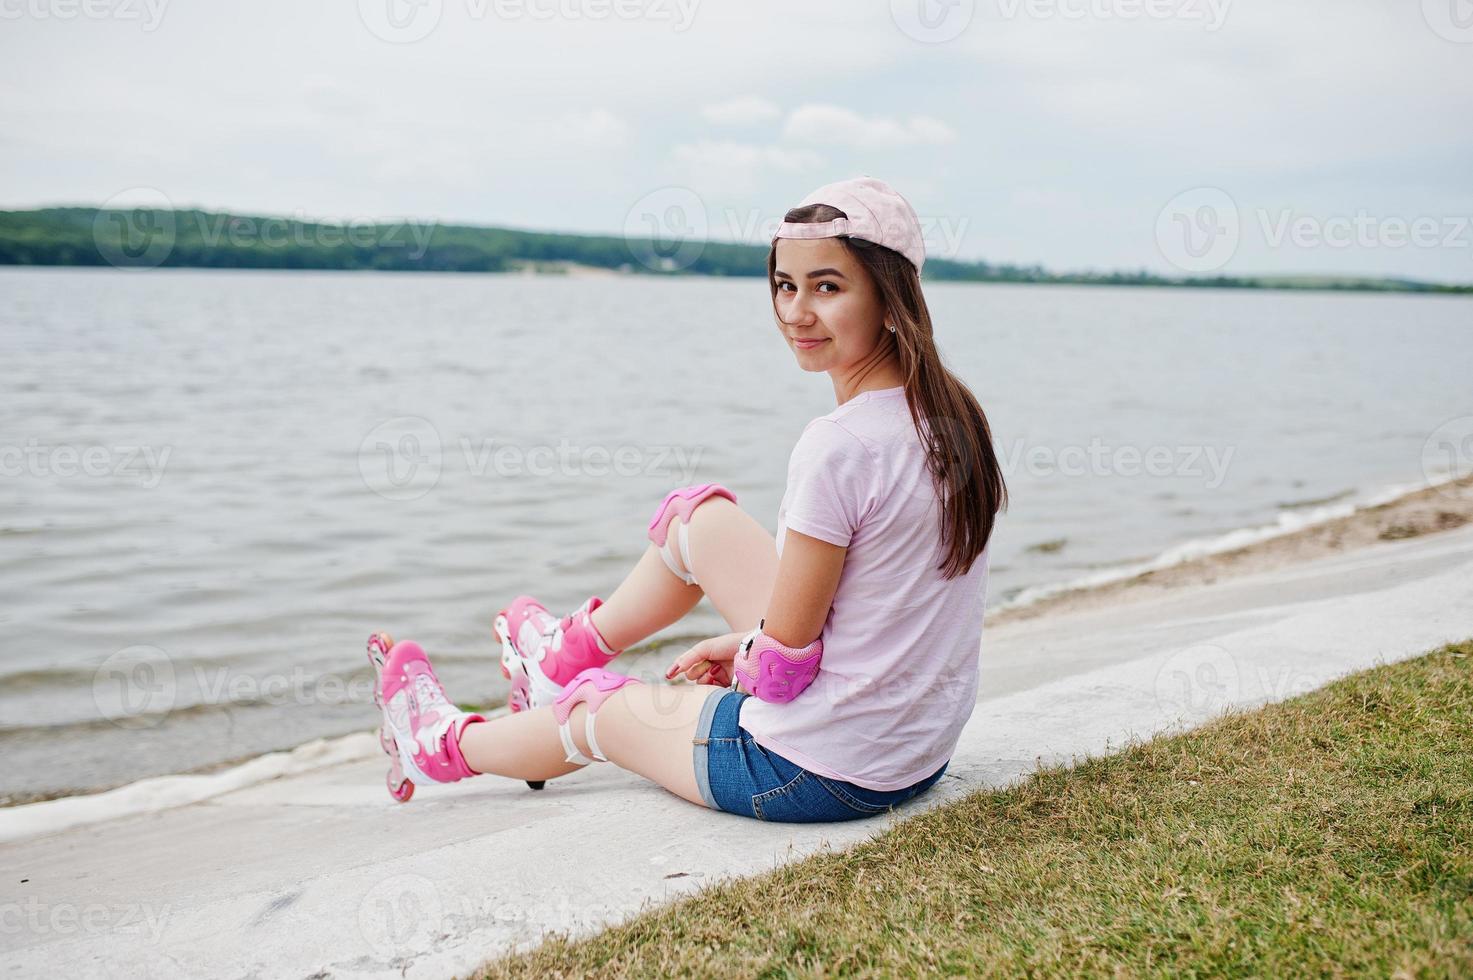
(970, 489)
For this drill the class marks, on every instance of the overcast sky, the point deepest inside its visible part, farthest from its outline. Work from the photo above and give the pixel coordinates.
(1200, 135)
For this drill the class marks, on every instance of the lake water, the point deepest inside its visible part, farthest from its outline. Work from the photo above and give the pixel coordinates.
(214, 485)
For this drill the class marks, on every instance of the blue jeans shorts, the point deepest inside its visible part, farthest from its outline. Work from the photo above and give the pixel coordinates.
(739, 776)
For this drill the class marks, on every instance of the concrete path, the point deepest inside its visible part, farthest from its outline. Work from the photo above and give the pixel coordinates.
(317, 873)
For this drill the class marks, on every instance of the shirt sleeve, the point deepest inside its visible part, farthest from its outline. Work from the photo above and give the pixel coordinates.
(831, 483)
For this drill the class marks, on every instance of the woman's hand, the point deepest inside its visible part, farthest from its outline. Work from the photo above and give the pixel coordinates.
(708, 662)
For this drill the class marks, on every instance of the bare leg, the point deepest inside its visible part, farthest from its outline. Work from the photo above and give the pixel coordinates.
(649, 599)
(645, 728)
(735, 561)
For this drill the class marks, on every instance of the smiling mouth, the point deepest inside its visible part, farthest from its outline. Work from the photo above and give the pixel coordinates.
(809, 343)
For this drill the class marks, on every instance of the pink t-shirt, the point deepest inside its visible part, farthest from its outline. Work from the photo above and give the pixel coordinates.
(901, 645)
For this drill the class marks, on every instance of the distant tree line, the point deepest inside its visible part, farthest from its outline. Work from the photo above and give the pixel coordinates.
(178, 238)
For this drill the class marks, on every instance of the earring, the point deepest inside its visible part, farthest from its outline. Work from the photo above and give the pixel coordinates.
(891, 326)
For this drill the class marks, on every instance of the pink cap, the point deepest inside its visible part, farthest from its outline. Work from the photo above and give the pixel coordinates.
(875, 212)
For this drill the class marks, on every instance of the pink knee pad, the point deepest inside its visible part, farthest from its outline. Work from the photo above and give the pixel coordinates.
(593, 686)
(680, 503)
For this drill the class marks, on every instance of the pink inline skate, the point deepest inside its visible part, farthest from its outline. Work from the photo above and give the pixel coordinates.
(540, 653)
(419, 729)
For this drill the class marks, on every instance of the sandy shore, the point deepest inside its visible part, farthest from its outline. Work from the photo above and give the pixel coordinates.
(1425, 511)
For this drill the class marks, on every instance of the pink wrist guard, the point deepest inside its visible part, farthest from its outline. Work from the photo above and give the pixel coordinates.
(765, 668)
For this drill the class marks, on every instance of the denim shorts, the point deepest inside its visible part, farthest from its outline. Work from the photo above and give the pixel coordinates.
(739, 776)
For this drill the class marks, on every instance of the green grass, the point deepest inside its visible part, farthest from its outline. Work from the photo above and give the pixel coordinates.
(1331, 835)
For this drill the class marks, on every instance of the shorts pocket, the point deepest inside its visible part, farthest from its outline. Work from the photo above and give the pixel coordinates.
(810, 798)
(847, 797)
(785, 802)
(803, 799)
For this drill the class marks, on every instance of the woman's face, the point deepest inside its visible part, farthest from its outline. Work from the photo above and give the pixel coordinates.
(828, 309)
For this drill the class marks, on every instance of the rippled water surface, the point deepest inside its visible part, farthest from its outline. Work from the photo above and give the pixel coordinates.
(215, 484)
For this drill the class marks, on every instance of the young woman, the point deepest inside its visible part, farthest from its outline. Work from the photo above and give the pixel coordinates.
(853, 659)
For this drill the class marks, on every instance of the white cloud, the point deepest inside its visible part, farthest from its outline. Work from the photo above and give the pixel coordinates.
(822, 123)
(734, 167)
(747, 155)
(742, 111)
(595, 129)
(329, 97)
(1051, 198)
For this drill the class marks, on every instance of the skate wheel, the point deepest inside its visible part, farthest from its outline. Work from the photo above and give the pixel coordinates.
(402, 792)
(379, 645)
(536, 783)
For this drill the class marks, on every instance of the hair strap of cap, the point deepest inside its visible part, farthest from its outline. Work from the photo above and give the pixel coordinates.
(825, 229)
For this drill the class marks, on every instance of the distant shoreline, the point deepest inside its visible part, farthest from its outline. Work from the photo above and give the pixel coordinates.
(570, 270)
(147, 238)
